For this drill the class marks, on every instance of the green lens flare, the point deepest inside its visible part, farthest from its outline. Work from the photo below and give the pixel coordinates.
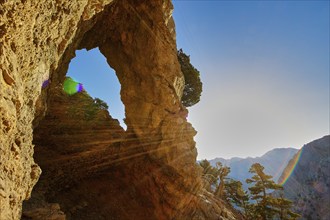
(71, 87)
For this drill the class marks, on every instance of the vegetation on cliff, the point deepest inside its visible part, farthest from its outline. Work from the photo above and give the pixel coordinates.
(259, 202)
(193, 84)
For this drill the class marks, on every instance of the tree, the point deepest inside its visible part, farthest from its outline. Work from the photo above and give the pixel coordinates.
(236, 195)
(284, 206)
(262, 182)
(210, 174)
(101, 104)
(193, 85)
(222, 173)
(267, 206)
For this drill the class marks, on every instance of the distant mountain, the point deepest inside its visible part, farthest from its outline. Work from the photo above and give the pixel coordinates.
(308, 186)
(274, 162)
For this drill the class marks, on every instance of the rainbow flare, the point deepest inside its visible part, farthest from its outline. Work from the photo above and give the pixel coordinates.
(290, 168)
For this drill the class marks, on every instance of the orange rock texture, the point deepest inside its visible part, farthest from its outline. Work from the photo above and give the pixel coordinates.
(91, 167)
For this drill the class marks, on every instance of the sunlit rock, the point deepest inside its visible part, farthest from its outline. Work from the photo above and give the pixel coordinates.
(92, 168)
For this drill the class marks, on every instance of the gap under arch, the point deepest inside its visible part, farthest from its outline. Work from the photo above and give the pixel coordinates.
(100, 81)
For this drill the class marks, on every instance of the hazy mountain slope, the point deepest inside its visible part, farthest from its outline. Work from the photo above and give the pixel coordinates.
(274, 162)
(309, 184)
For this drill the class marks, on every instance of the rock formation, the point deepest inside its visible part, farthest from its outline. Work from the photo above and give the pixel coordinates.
(93, 169)
(308, 186)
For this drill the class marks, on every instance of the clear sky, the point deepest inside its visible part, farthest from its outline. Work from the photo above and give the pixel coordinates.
(98, 79)
(264, 67)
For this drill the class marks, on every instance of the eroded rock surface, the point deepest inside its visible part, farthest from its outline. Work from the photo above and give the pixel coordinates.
(33, 38)
(92, 169)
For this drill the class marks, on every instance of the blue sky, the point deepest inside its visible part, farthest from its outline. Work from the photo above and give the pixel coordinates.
(264, 67)
(98, 79)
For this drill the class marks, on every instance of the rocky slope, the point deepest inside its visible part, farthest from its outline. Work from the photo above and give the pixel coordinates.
(308, 186)
(92, 169)
(274, 162)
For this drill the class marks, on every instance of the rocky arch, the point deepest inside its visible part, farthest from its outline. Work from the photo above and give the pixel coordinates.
(153, 162)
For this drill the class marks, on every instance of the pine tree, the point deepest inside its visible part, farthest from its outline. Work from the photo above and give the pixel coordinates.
(193, 84)
(236, 195)
(267, 206)
(222, 173)
(264, 206)
(284, 206)
(210, 175)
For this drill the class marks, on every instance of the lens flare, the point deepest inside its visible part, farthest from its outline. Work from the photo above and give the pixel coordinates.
(80, 87)
(45, 83)
(290, 168)
(71, 87)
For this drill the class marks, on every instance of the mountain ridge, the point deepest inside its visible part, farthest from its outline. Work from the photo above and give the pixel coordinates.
(306, 180)
(239, 167)
(251, 157)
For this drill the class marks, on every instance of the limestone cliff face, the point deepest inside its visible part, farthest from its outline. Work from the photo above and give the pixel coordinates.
(33, 38)
(146, 172)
